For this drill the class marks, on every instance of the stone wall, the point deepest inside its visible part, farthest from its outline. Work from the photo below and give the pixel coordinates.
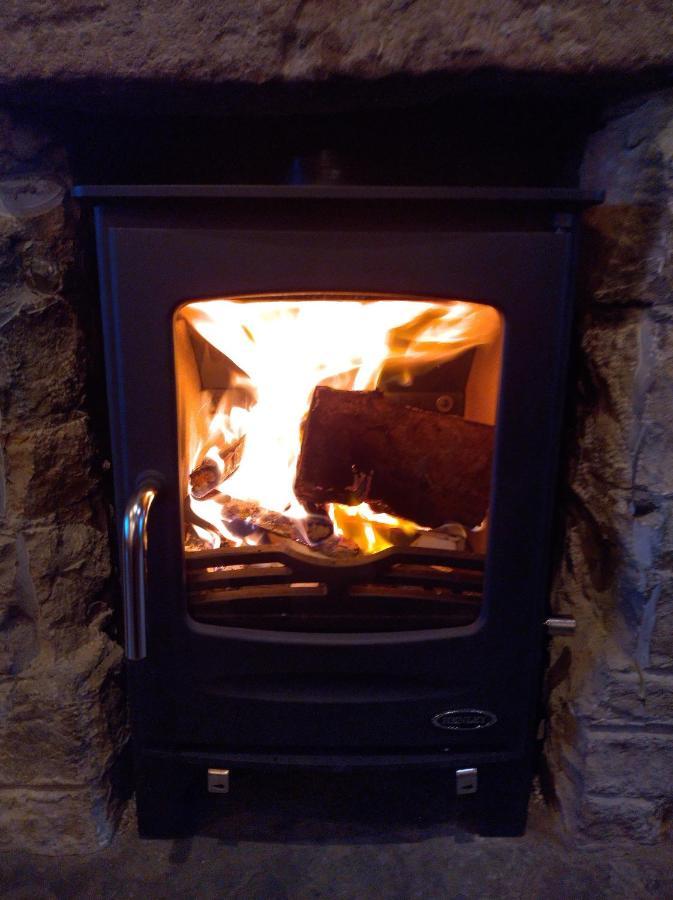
(62, 720)
(199, 42)
(611, 744)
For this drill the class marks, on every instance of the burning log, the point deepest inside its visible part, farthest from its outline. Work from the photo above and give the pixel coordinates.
(317, 528)
(245, 517)
(231, 457)
(449, 537)
(339, 548)
(193, 542)
(413, 463)
(204, 479)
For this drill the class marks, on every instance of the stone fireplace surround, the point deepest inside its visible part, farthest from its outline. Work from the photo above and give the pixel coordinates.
(608, 752)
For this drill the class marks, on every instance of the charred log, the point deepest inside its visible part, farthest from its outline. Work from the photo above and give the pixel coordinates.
(205, 478)
(413, 463)
(317, 528)
(231, 458)
(243, 517)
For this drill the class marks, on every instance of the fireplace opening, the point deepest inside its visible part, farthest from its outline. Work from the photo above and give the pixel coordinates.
(335, 458)
(335, 499)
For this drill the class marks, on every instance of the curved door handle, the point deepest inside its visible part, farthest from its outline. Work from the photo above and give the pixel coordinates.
(134, 572)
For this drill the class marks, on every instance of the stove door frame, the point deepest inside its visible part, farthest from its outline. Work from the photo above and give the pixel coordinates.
(239, 696)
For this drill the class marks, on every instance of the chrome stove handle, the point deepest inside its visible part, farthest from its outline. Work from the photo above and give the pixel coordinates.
(134, 571)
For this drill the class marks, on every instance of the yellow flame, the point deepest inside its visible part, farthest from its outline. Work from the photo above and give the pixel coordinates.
(371, 531)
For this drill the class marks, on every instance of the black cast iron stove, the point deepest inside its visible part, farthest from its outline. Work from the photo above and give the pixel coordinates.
(400, 641)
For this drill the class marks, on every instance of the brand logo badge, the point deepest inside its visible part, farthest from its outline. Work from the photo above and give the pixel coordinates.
(464, 719)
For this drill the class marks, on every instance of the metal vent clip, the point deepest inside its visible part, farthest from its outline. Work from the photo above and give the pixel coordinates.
(218, 781)
(466, 781)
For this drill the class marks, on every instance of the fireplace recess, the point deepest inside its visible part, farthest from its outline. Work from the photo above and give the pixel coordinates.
(251, 645)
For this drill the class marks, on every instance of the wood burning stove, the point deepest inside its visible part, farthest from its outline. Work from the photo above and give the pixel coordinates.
(347, 404)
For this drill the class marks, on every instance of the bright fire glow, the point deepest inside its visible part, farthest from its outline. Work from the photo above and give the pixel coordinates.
(277, 351)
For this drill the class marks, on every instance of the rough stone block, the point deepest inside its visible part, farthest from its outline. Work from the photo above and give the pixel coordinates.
(213, 44)
(653, 528)
(626, 254)
(36, 243)
(661, 642)
(42, 369)
(616, 818)
(629, 158)
(62, 722)
(14, 301)
(68, 565)
(625, 698)
(626, 400)
(47, 256)
(18, 627)
(607, 428)
(8, 567)
(631, 763)
(47, 469)
(55, 820)
(608, 560)
(653, 403)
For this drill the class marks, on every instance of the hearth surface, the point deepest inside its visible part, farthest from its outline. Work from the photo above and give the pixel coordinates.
(304, 849)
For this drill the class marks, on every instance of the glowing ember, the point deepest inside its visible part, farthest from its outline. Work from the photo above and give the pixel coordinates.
(247, 369)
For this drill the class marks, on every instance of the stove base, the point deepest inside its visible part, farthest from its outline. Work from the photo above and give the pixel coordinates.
(171, 794)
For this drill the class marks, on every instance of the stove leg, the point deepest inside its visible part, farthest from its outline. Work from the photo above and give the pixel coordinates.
(502, 808)
(164, 798)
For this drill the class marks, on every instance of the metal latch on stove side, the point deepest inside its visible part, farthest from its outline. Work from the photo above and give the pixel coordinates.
(560, 626)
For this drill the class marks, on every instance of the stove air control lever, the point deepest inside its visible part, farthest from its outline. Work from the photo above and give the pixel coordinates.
(560, 626)
(134, 568)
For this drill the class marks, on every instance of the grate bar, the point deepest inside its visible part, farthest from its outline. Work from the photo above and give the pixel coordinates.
(199, 559)
(420, 576)
(399, 589)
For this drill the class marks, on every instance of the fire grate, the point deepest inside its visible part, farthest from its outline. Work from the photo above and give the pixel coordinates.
(397, 590)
